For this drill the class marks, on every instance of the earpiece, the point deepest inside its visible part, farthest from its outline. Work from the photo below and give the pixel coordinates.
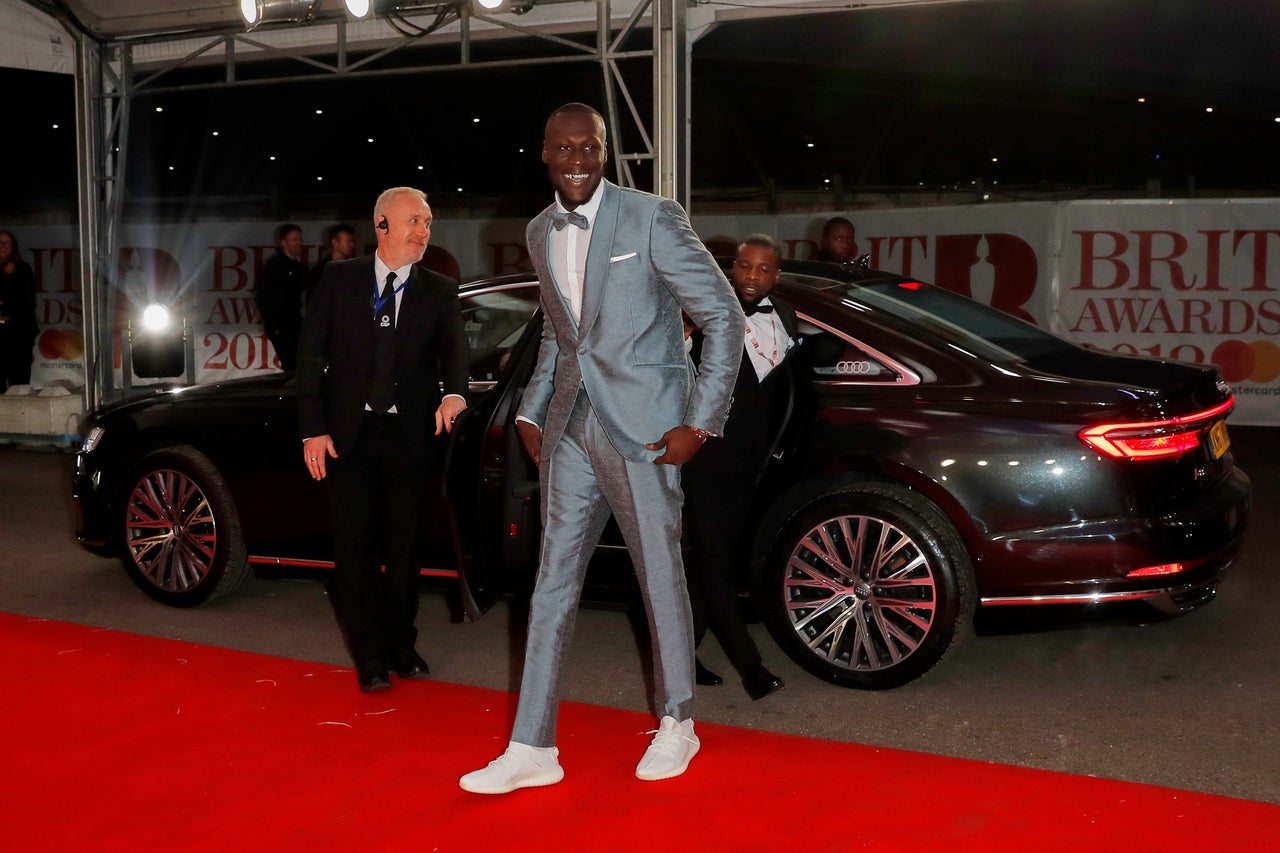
(382, 223)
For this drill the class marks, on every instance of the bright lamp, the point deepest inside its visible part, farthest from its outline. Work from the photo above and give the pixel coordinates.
(359, 9)
(257, 12)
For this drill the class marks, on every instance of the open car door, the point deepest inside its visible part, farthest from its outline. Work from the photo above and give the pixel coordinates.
(491, 486)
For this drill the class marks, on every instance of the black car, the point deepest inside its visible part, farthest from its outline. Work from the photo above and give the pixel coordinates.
(934, 455)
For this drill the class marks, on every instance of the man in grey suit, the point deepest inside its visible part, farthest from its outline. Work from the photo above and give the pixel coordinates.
(612, 410)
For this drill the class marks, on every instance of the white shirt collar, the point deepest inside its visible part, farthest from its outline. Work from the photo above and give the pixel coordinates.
(588, 208)
(380, 270)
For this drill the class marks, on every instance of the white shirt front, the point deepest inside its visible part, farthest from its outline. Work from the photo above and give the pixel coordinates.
(568, 252)
(767, 341)
(380, 271)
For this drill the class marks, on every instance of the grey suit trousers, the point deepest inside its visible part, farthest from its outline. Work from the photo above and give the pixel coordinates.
(584, 481)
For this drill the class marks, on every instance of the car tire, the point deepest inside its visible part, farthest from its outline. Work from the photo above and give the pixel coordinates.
(181, 534)
(886, 620)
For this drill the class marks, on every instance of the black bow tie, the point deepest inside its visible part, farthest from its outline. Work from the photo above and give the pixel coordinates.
(750, 308)
(560, 219)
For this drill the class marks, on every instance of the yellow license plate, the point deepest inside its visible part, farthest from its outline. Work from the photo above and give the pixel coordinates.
(1219, 441)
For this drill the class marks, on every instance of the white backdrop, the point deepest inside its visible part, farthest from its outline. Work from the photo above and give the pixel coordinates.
(1189, 280)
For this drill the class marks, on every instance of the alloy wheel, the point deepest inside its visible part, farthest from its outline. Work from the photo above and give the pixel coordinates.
(171, 531)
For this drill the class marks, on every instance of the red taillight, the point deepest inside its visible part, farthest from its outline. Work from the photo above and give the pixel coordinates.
(1146, 440)
(910, 285)
(1166, 569)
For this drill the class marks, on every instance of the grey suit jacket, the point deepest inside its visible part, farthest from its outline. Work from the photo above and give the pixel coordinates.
(644, 265)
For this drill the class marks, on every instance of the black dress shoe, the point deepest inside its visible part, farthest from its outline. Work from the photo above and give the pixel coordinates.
(704, 676)
(760, 682)
(372, 676)
(409, 664)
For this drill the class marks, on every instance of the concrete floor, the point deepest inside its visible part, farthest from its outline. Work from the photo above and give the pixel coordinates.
(1190, 703)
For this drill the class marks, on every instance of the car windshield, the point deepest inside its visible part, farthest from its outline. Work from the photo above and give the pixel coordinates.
(957, 320)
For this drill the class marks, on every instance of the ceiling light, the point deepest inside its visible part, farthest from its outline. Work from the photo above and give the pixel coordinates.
(359, 9)
(256, 12)
(489, 4)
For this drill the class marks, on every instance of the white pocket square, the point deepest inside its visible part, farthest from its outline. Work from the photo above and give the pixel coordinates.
(622, 257)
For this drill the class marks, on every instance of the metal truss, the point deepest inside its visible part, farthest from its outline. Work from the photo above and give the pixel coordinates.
(111, 75)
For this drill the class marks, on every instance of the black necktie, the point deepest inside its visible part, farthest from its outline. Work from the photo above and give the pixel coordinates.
(560, 219)
(387, 303)
(382, 386)
(750, 308)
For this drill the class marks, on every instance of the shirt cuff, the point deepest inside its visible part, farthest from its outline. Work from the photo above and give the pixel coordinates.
(526, 420)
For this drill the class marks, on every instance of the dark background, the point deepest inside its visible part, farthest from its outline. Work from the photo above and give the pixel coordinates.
(1020, 98)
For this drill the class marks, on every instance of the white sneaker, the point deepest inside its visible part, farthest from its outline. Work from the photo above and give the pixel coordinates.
(674, 745)
(521, 766)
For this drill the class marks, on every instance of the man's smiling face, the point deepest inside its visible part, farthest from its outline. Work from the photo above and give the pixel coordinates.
(575, 153)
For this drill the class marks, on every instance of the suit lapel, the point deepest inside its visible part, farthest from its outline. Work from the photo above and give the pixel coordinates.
(602, 231)
(540, 255)
(362, 305)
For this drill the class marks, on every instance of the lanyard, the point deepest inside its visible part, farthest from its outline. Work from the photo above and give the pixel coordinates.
(378, 301)
(751, 336)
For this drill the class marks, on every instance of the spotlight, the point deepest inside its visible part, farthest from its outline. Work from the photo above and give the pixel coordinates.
(257, 12)
(155, 318)
(489, 5)
(359, 9)
(157, 345)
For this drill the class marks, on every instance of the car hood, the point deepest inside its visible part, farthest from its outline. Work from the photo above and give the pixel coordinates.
(271, 385)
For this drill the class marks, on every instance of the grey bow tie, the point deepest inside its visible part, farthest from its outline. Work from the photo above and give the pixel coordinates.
(560, 219)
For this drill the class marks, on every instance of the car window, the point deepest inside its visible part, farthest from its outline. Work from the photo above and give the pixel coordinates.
(830, 357)
(494, 319)
(962, 322)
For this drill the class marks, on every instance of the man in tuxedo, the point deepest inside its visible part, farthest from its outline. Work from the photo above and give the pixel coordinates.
(278, 294)
(720, 482)
(380, 337)
(612, 410)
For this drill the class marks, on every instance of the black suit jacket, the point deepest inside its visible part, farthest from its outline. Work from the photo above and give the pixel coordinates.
(739, 452)
(335, 355)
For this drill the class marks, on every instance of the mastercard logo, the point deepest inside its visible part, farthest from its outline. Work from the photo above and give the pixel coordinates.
(1256, 361)
(55, 344)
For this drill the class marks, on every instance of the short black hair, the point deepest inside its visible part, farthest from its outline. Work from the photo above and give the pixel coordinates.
(833, 222)
(284, 230)
(579, 107)
(763, 240)
(333, 231)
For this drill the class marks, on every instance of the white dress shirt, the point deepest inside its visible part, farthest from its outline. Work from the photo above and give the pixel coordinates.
(568, 252)
(767, 341)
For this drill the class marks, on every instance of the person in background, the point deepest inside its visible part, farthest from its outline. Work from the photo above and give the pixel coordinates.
(720, 482)
(838, 244)
(381, 338)
(18, 327)
(612, 411)
(278, 293)
(340, 245)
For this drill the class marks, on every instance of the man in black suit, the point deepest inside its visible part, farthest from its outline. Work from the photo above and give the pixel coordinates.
(278, 293)
(380, 337)
(719, 483)
(341, 242)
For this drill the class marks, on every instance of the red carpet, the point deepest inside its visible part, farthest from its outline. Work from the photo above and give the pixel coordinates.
(119, 742)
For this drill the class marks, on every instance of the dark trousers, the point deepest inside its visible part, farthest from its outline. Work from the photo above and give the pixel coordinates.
(15, 351)
(716, 502)
(377, 490)
(285, 340)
